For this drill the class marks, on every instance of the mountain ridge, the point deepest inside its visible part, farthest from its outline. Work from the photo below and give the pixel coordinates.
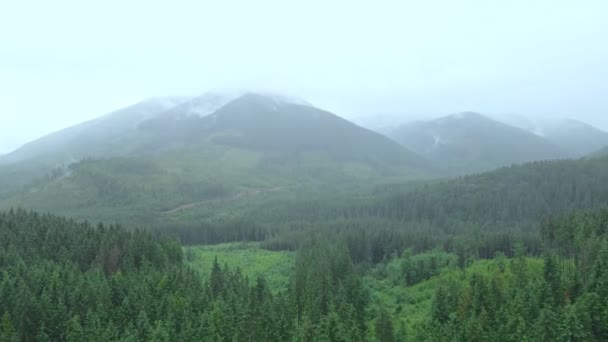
(168, 159)
(578, 138)
(471, 142)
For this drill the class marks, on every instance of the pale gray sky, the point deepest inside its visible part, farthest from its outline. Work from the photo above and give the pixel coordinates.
(66, 61)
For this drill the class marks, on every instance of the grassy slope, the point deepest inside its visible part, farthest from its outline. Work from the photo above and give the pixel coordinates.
(408, 304)
(276, 267)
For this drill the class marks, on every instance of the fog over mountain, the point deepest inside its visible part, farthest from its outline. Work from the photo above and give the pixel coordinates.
(383, 62)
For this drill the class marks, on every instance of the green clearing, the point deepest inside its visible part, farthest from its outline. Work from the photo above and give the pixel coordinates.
(276, 267)
(410, 306)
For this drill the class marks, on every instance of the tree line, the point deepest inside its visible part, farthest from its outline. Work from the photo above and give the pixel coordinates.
(68, 281)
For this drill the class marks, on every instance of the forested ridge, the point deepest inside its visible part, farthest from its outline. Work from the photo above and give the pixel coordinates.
(478, 215)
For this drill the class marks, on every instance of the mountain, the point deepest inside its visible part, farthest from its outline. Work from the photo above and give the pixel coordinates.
(576, 137)
(516, 120)
(202, 105)
(95, 138)
(266, 123)
(470, 142)
(262, 123)
(145, 160)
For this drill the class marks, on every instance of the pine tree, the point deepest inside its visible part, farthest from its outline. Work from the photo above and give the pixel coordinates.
(143, 326)
(552, 278)
(570, 327)
(159, 333)
(401, 334)
(439, 308)
(7, 332)
(304, 330)
(519, 266)
(546, 326)
(75, 332)
(383, 327)
(216, 280)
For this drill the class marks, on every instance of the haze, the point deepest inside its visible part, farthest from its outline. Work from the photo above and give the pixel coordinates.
(64, 62)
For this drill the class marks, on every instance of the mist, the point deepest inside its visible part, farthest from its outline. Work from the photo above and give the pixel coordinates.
(376, 63)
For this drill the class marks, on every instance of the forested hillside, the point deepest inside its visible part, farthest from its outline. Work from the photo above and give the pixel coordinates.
(67, 281)
(567, 300)
(513, 195)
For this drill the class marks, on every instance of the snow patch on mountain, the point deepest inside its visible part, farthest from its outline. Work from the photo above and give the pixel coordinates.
(280, 99)
(539, 131)
(436, 139)
(168, 102)
(210, 102)
(205, 104)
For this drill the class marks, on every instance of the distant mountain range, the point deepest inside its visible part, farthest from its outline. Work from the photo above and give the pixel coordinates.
(253, 121)
(163, 154)
(575, 137)
(470, 142)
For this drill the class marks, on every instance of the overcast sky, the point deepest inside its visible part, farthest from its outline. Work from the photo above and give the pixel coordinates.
(65, 61)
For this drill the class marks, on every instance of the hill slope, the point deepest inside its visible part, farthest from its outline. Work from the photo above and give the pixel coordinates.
(271, 124)
(510, 196)
(95, 138)
(175, 159)
(470, 142)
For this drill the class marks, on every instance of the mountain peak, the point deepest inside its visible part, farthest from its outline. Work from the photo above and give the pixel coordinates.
(468, 121)
(462, 117)
(272, 99)
(467, 115)
(210, 102)
(202, 105)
